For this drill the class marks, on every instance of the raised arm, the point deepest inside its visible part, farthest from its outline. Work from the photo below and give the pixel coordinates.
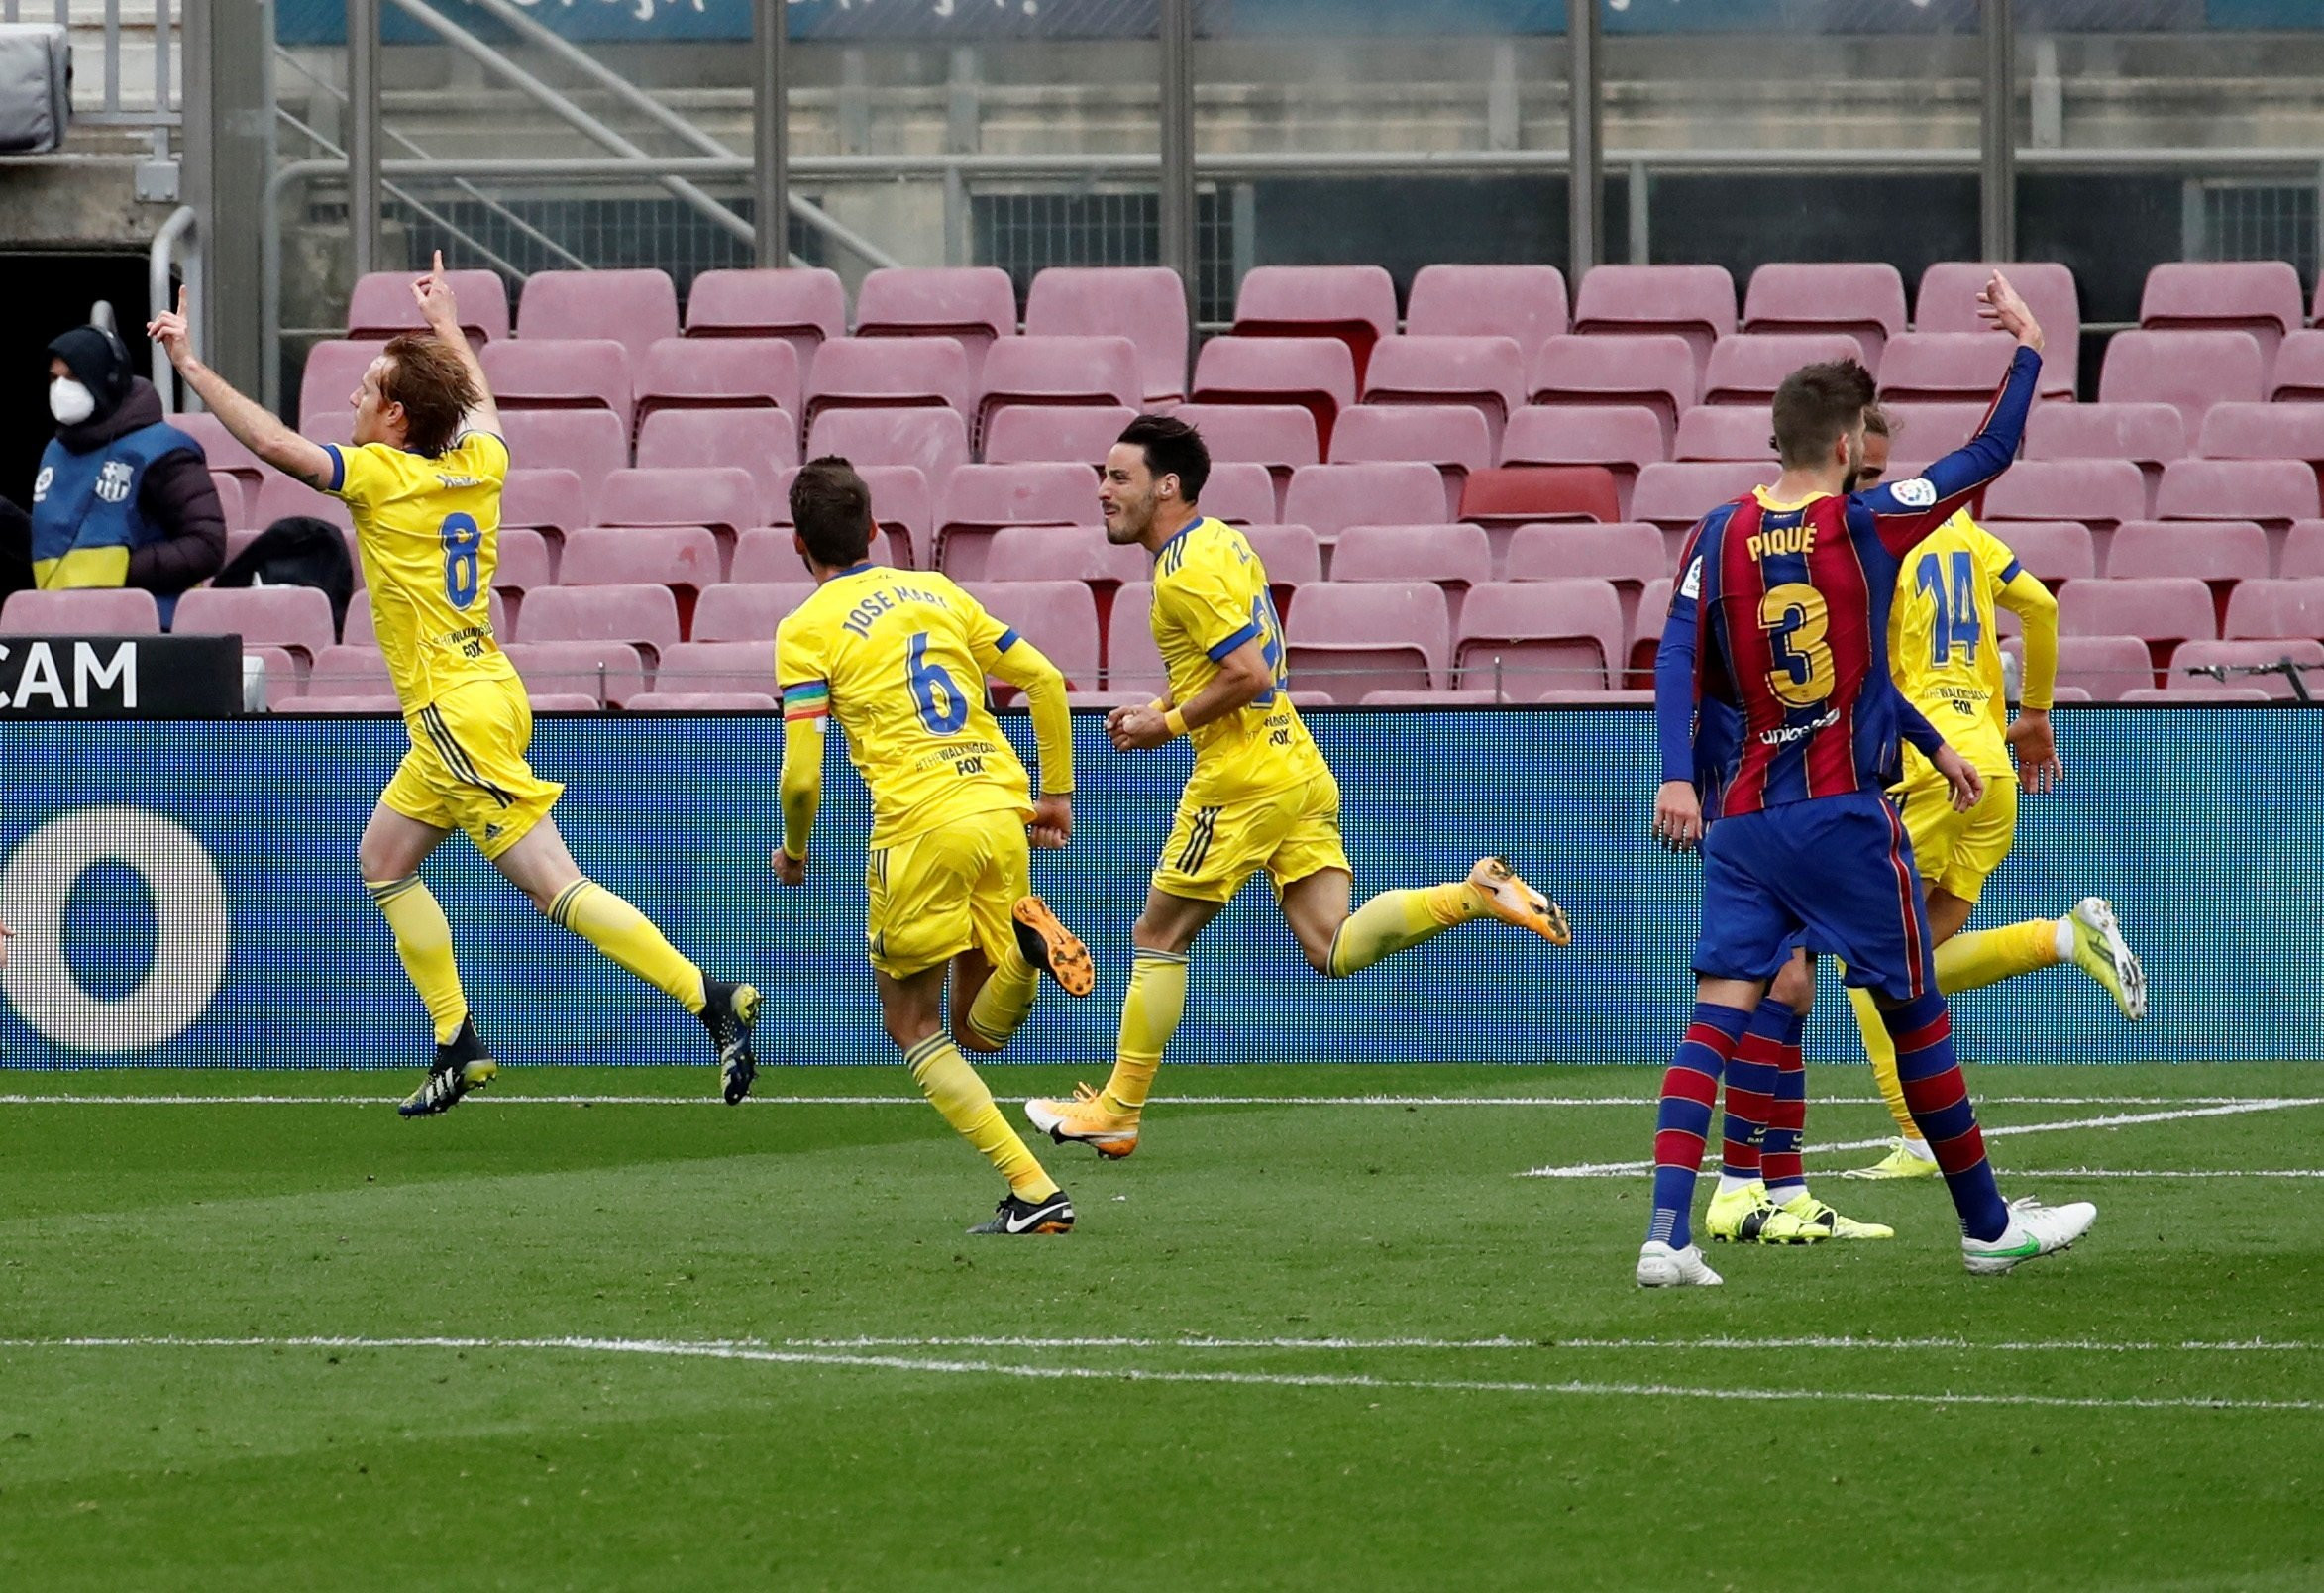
(441, 310)
(252, 423)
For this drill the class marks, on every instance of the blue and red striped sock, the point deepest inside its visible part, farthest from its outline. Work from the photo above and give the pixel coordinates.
(1683, 1124)
(1750, 1082)
(1787, 1119)
(1938, 1100)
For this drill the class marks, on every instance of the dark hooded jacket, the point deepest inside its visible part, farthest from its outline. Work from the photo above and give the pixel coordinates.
(176, 495)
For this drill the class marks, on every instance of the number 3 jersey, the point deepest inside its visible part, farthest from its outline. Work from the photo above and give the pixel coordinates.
(899, 657)
(429, 533)
(1210, 598)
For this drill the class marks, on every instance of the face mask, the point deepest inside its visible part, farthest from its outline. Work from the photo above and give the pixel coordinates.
(69, 401)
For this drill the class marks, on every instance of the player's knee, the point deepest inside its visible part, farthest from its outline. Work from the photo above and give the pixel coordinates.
(1318, 955)
(969, 1038)
(1795, 987)
(907, 1029)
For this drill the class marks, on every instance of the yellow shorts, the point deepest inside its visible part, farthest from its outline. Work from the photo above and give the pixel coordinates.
(1290, 833)
(946, 890)
(466, 768)
(1955, 852)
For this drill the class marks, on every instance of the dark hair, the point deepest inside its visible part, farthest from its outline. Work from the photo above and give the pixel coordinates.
(1172, 448)
(1814, 405)
(1879, 423)
(434, 386)
(832, 509)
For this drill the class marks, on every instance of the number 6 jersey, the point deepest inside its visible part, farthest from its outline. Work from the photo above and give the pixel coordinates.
(429, 533)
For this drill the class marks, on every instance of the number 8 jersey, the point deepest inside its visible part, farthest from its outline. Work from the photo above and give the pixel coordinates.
(429, 533)
(899, 657)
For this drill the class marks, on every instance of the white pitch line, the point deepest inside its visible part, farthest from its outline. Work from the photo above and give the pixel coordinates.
(2114, 1120)
(734, 1351)
(2149, 1172)
(1554, 1346)
(26, 1099)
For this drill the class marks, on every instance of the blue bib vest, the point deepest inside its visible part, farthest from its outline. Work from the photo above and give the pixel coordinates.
(85, 514)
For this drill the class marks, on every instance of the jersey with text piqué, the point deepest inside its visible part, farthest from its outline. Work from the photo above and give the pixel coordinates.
(1211, 598)
(1942, 642)
(899, 657)
(429, 533)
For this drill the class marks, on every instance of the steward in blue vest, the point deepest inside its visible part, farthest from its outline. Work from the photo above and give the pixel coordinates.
(122, 499)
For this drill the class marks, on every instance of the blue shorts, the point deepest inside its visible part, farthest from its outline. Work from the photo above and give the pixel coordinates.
(1835, 873)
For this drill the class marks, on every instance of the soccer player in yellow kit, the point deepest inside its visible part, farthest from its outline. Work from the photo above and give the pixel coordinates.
(1261, 796)
(898, 658)
(422, 482)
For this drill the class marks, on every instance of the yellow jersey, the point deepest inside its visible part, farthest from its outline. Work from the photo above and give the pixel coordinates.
(429, 532)
(899, 657)
(1942, 644)
(1211, 598)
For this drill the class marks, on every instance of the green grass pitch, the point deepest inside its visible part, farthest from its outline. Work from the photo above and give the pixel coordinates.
(1307, 1342)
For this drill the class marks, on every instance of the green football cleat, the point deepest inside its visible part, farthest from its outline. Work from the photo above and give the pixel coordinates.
(1900, 1162)
(2100, 951)
(1816, 1214)
(1746, 1216)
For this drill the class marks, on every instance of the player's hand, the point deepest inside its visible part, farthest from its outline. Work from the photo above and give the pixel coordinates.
(1678, 816)
(1136, 729)
(1969, 787)
(438, 307)
(789, 869)
(1999, 303)
(6, 935)
(170, 330)
(1052, 825)
(2039, 770)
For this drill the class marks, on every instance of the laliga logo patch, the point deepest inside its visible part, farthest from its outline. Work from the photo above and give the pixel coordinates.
(41, 483)
(113, 481)
(1692, 587)
(1918, 493)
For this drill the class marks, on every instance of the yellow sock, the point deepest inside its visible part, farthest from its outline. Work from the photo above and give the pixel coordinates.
(423, 939)
(1007, 1000)
(953, 1089)
(1149, 1017)
(1882, 1051)
(1395, 919)
(1982, 957)
(630, 938)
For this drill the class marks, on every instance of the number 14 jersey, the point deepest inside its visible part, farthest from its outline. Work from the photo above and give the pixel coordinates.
(429, 532)
(899, 657)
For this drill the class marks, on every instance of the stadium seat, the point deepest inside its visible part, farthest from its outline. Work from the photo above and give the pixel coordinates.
(382, 305)
(934, 442)
(979, 499)
(632, 307)
(1864, 299)
(1315, 373)
(282, 675)
(725, 499)
(221, 449)
(2165, 611)
(1454, 557)
(2219, 553)
(2271, 609)
(544, 702)
(549, 502)
(2302, 553)
(1451, 437)
(971, 304)
(1675, 497)
(2264, 431)
(739, 612)
(2258, 297)
(578, 671)
(526, 564)
(768, 554)
(1524, 638)
(1624, 439)
(1948, 302)
(281, 496)
(1133, 665)
(2235, 656)
(1347, 639)
(2273, 491)
(1243, 495)
(1487, 375)
(2189, 370)
(682, 556)
(1523, 302)
(887, 373)
(718, 374)
(1747, 368)
(1732, 432)
(576, 374)
(1945, 367)
(1694, 302)
(1433, 699)
(900, 504)
(1078, 434)
(1516, 495)
(2300, 368)
(1922, 432)
(336, 428)
(644, 616)
(1327, 498)
(1559, 696)
(294, 617)
(2054, 551)
(2105, 667)
(1646, 633)
(1143, 303)
(1060, 617)
(1355, 304)
(2149, 436)
(1020, 552)
(760, 442)
(1654, 370)
(1290, 554)
(701, 701)
(741, 665)
(1629, 556)
(803, 307)
(81, 612)
(357, 630)
(2195, 689)
(591, 443)
(234, 500)
(350, 672)
(2099, 493)
(1058, 371)
(1282, 437)
(334, 370)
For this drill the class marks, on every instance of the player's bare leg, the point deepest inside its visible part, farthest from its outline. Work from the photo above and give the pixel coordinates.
(393, 847)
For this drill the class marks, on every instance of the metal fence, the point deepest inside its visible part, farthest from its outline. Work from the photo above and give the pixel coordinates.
(133, 46)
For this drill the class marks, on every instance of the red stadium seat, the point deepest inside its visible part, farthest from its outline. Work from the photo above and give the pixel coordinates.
(1454, 557)
(1696, 302)
(894, 373)
(736, 666)
(718, 374)
(1020, 552)
(1655, 370)
(1355, 304)
(591, 443)
(632, 307)
(2196, 691)
(281, 675)
(1327, 498)
(382, 304)
(1241, 494)
(701, 701)
(281, 496)
(526, 564)
(972, 304)
(2149, 436)
(2105, 667)
(2258, 297)
(1733, 432)
(1133, 665)
(644, 616)
(1645, 632)
(234, 500)
(768, 554)
(546, 501)
(2099, 493)
(2276, 608)
(1144, 304)
(1523, 302)
(1930, 431)
(1948, 302)
(1945, 367)
(350, 672)
(221, 449)
(676, 556)
(294, 617)
(2189, 370)
(1524, 638)
(2300, 368)
(1861, 298)
(1078, 434)
(1282, 437)
(1290, 554)
(586, 671)
(736, 612)
(2055, 550)
(2273, 491)
(1747, 368)
(1317, 373)
(1060, 617)
(81, 612)
(2266, 431)
(2165, 611)
(1630, 557)
(803, 307)
(725, 499)
(2218, 553)
(1450, 437)
(900, 505)
(1675, 497)
(1432, 699)
(540, 373)
(2234, 658)
(334, 369)
(934, 442)
(1487, 375)
(357, 630)
(1346, 639)
(980, 499)
(1515, 494)
(1624, 440)
(1059, 371)
(2302, 553)
(760, 442)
